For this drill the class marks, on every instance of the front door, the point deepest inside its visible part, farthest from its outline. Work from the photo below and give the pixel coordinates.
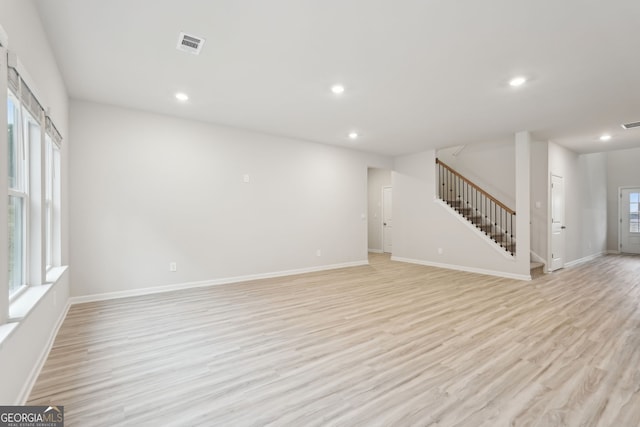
(629, 221)
(557, 223)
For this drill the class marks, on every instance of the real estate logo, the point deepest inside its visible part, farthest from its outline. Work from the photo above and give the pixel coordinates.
(31, 416)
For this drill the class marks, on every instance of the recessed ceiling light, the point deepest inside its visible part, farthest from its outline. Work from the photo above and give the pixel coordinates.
(337, 89)
(517, 81)
(353, 135)
(605, 137)
(182, 96)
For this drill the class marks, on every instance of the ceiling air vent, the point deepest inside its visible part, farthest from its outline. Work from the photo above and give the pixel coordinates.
(189, 43)
(631, 125)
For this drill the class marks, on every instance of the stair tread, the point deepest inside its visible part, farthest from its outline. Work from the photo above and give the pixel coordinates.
(536, 269)
(500, 235)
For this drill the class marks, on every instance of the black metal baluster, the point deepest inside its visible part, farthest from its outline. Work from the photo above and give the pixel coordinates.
(511, 234)
(479, 208)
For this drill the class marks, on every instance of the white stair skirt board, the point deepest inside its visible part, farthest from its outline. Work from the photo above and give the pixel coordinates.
(537, 258)
(215, 282)
(463, 268)
(488, 240)
(534, 257)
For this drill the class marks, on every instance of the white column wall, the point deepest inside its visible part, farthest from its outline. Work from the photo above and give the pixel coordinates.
(523, 199)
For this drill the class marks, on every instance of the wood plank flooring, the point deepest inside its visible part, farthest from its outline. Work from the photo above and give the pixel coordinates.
(389, 344)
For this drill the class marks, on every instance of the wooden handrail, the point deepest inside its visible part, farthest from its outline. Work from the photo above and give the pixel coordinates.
(496, 201)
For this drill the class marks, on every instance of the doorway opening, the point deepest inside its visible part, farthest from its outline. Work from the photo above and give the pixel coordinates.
(387, 220)
(379, 204)
(557, 223)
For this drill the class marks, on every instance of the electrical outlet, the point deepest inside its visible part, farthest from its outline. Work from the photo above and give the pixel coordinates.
(318, 252)
(440, 251)
(173, 266)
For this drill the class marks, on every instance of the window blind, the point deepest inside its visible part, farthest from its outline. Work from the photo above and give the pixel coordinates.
(18, 86)
(52, 131)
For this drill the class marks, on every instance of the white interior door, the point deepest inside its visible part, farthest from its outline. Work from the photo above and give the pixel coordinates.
(387, 219)
(629, 220)
(557, 222)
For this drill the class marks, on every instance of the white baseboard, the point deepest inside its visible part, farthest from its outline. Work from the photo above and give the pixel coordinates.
(463, 268)
(44, 354)
(205, 283)
(584, 259)
(376, 251)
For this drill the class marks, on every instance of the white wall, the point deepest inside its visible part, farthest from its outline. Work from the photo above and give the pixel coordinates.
(593, 215)
(22, 350)
(539, 198)
(623, 170)
(378, 179)
(585, 190)
(149, 190)
(489, 165)
(422, 225)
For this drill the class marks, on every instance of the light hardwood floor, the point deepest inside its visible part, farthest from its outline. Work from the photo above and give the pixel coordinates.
(388, 344)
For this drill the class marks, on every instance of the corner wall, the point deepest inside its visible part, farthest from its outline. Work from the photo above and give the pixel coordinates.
(585, 188)
(540, 198)
(150, 189)
(622, 171)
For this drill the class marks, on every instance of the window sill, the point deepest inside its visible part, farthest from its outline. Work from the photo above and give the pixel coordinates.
(28, 300)
(55, 273)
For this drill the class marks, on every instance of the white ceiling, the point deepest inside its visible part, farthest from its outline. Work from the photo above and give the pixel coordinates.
(418, 74)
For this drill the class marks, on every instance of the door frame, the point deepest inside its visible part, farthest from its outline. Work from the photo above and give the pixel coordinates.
(550, 222)
(619, 217)
(385, 187)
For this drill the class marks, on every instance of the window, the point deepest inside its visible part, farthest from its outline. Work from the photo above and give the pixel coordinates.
(33, 193)
(52, 202)
(634, 210)
(31, 204)
(48, 202)
(17, 197)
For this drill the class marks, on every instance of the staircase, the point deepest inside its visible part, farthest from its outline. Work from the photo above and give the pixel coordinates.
(537, 269)
(477, 206)
(481, 209)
